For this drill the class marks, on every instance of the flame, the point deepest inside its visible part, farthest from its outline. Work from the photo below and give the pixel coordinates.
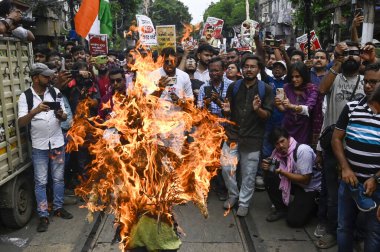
(188, 31)
(133, 171)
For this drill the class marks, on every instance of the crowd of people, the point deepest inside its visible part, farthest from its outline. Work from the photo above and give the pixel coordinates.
(306, 130)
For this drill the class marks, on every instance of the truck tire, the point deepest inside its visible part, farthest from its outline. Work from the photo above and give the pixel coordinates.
(20, 213)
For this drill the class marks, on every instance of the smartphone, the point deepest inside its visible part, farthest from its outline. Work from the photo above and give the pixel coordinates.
(273, 42)
(172, 81)
(208, 90)
(53, 105)
(101, 59)
(74, 72)
(359, 11)
(280, 93)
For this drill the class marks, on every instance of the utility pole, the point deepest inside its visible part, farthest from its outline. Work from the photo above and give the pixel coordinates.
(369, 21)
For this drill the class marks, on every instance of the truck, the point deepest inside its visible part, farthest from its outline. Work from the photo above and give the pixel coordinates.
(16, 180)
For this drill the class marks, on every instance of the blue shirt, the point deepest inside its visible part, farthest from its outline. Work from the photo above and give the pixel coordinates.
(277, 116)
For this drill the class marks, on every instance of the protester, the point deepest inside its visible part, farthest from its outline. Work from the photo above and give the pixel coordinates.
(102, 79)
(297, 56)
(190, 67)
(358, 126)
(298, 103)
(204, 54)
(41, 52)
(233, 72)
(78, 53)
(47, 140)
(250, 101)
(233, 56)
(10, 20)
(291, 170)
(339, 88)
(55, 58)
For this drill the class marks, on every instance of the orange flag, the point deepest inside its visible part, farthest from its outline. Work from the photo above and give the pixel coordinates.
(85, 17)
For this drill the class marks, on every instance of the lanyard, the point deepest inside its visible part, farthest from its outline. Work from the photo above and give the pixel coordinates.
(220, 91)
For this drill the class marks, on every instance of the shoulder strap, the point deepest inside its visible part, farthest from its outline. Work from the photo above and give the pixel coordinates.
(295, 152)
(29, 98)
(354, 91)
(236, 87)
(53, 93)
(261, 89)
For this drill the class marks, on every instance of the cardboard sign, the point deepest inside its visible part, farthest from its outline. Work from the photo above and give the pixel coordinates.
(314, 42)
(146, 30)
(98, 44)
(212, 31)
(166, 36)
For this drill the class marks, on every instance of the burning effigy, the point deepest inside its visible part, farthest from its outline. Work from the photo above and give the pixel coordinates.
(133, 174)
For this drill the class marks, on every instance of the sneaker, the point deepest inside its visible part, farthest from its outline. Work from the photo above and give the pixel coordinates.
(229, 203)
(43, 225)
(259, 183)
(61, 212)
(326, 241)
(275, 215)
(320, 230)
(364, 203)
(69, 200)
(242, 211)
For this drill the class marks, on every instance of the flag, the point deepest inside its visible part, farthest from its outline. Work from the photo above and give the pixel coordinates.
(93, 17)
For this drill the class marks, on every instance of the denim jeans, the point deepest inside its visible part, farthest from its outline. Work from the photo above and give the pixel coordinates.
(41, 161)
(249, 161)
(347, 215)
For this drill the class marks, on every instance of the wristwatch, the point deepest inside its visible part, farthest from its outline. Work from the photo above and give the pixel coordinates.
(377, 178)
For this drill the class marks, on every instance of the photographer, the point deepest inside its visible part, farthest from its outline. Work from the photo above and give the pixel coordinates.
(291, 171)
(11, 20)
(213, 92)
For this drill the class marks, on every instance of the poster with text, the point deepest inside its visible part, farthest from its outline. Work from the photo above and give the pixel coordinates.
(146, 30)
(166, 36)
(98, 44)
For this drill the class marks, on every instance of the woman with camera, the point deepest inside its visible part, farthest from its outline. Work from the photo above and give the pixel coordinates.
(291, 179)
(298, 103)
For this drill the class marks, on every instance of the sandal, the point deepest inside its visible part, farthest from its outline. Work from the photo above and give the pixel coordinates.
(326, 241)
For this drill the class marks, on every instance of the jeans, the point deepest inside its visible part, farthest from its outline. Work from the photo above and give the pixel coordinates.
(41, 160)
(332, 183)
(249, 161)
(347, 215)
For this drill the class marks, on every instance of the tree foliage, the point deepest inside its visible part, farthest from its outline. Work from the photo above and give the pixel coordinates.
(170, 12)
(233, 12)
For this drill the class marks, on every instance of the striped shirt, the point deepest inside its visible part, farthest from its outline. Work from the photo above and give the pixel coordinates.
(214, 108)
(362, 138)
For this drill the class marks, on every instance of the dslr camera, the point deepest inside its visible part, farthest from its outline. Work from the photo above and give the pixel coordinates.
(273, 164)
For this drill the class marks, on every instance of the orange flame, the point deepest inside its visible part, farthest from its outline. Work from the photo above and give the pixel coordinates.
(188, 31)
(133, 172)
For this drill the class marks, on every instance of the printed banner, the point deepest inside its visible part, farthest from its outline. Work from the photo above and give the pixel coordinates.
(212, 31)
(166, 36)
(314, 42)
(98, 44)
(146, 30)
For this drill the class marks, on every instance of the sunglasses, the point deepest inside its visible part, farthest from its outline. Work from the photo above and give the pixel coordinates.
(118, 80)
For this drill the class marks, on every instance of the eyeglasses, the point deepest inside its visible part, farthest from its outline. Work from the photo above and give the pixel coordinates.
(118, 80)
(370, 82)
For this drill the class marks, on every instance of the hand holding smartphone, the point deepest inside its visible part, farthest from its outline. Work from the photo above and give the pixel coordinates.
(280, 94)
(53, 105)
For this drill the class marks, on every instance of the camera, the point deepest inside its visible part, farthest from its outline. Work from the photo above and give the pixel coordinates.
(273, 164)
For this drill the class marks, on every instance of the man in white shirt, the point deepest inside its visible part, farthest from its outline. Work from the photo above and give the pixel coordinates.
(174, 92)
(42, 108)
(204, 55)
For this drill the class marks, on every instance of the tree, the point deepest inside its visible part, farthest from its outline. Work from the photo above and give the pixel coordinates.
(170, 12)
(233, 12)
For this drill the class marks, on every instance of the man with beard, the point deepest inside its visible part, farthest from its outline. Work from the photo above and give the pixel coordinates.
(339, 89)
(251, 106)
(233, 56)
(102, 79)
(204, 54)
(190, 67)
(78, 53)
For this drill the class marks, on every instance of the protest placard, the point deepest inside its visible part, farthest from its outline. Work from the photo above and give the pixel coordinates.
(166, 36)
(146, 29)
(98, 44)
(314, 42)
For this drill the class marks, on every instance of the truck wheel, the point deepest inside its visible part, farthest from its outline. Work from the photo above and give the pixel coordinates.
(20, 213)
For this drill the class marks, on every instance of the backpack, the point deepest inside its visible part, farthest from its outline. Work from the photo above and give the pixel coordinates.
(29, 101)
(239, 82)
